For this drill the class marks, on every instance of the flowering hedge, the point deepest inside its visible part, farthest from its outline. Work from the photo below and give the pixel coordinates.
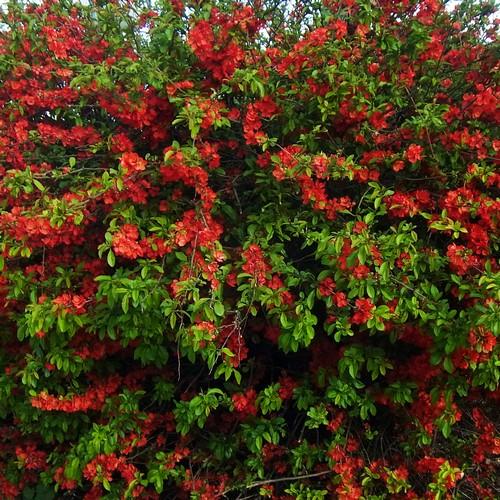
(249, 249)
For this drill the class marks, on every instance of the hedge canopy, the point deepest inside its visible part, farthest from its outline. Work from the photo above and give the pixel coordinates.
(249, 249)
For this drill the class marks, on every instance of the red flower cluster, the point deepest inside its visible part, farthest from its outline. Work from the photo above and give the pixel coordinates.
(414, 153)
(199, 230)
(256, 264)
(217, 53)
(427, 412)
(363, 312)
(315, 191)
(230, 337)
(408, 204)
(287, 386)
(71, 303)
(132, 163)
(244, 403)
(75, 136)
(93, 399)
(347, 467)
(252, 123)
(462, 260)
(190, 176)
(37, 231)
(487, 442)
(326, 287)
(101, 468)
(125, 242)
(31, 458)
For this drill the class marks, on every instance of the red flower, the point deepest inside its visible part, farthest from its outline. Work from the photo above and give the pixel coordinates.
(256, 264)
(272, 333)
(71, 303)
(340, 299)
(364, 311)
(93, 399)
(361, 271)
(326, 287)
(340, 28)
(461, 259)
(182, 85)
(120, 143)
(401, 204)
(398, 165)
(359, 227)
(132, 162)
(31, 458)
(244, 403)
(414, 153)
(125, 242)
(287, 386)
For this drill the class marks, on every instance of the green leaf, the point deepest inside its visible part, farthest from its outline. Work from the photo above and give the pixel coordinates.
(384, 270)
(125, 303)
(219, 309)
(39, 185)
(448, 365)
(111, 259)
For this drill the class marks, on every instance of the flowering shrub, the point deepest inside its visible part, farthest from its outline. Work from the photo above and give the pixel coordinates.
(249, 249)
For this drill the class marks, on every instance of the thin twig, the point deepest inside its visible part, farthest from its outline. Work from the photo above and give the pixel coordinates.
(282, 480)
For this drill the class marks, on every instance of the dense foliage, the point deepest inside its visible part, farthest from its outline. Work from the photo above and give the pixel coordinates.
(249, 249)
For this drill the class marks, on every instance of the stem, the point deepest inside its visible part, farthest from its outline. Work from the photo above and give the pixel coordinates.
(282, 480)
